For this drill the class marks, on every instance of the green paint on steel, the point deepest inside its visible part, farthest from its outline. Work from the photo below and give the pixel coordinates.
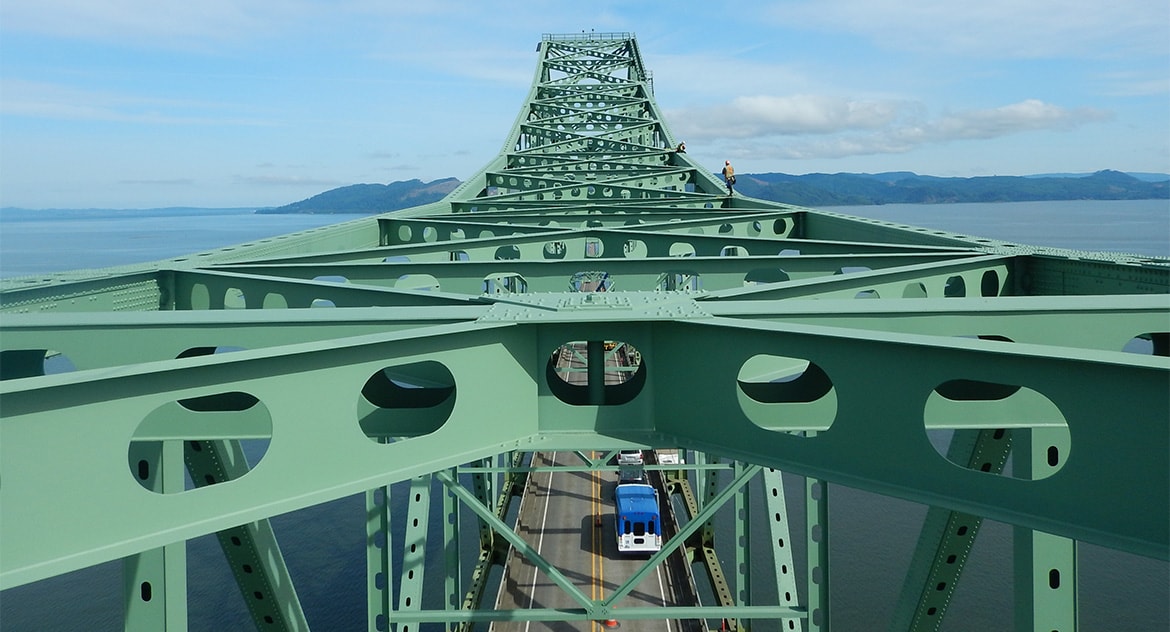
(784, 566)
(696, 522)
(586, 228)
(503, 529)
(817, 535)
(947, 538)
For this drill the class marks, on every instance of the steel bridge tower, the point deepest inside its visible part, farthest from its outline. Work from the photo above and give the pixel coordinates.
(409, 359)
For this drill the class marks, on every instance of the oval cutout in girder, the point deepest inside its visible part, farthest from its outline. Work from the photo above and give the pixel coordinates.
(406, 400)
(417, 385)
(765, 275)
(786, 394)
(1155, 343)
(219, 444)
(999, 429)
(591, 281)
(778, 380)
(572, 376)
(18, 363)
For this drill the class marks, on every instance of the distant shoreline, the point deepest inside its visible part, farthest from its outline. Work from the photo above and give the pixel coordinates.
(33, 242)
(813, 190)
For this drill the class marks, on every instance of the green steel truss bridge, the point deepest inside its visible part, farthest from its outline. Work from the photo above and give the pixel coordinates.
(416, 352)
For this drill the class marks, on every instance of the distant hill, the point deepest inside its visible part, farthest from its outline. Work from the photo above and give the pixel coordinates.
(903, 187)
(813, 189)
(371, 198)
(1140, 175)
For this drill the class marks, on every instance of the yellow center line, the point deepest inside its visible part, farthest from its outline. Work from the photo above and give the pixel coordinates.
(593, 561)
(597, 569)
(593, 552)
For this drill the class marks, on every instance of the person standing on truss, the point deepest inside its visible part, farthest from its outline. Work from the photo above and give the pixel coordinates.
(729, 176)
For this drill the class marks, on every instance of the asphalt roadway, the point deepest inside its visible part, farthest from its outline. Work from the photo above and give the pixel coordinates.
(568, 518)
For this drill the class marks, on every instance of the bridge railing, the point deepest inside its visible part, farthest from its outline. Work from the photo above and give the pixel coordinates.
(573, 37)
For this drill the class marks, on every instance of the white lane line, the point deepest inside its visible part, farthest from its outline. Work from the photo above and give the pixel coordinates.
(540, 540)
(662, 591)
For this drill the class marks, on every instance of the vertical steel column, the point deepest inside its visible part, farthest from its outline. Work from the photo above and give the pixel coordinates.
(678, 482)
(816, 500)
(378, 540)
(706, 541)
(1045, 564)
(484, 485)
(155, 582)
(710, 487)
(1045, 582)
(701, 477)
(451, 583)
(785, 570)
(595, 356)
(414, 547)
(742, 528)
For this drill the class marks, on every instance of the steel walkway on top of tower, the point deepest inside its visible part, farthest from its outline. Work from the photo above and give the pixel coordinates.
(382, 349)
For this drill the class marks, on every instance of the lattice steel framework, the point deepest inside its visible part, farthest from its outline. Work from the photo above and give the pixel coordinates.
(387, 348)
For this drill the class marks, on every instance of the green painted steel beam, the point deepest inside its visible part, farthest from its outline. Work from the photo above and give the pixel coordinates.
(144, 336)
(1045, 580)
(251, 549)
(702, 541)
(601, 614)
(514, 539)
(741, 537)
(780, 545)
(947, 538)
(1089, 388)
(378, 543)
(598, 465)
(155, 582)
(818, 571)
(414, 547)
(1108, 401)
(697, 521)
(330, 331)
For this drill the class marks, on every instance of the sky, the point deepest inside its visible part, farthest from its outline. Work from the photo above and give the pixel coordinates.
(238, 103)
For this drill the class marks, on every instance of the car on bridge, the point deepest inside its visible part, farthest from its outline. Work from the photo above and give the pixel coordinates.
(637, 521)
(629, 457)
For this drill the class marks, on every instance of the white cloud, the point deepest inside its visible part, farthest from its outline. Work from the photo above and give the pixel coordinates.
(341, 89)
(1029, 115)
(830, 127)
(747, 117)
